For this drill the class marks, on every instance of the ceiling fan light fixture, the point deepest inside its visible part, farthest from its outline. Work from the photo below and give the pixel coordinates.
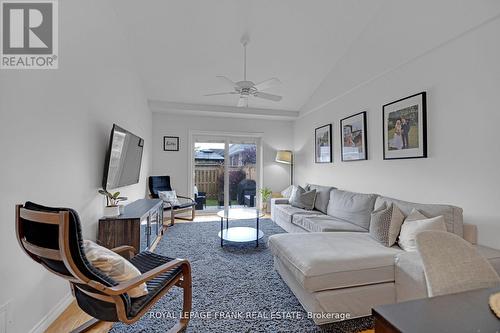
(246, 88)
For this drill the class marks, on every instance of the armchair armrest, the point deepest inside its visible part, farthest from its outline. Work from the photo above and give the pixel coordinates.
(183, 197)
(125, 251)
(124, 287)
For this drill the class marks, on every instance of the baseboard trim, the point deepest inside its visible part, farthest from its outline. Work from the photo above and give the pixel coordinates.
(50, 317)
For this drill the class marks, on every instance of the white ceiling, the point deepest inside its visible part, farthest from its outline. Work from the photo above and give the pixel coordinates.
(180, 46)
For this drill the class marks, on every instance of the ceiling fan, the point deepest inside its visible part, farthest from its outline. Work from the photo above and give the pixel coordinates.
(247, 88)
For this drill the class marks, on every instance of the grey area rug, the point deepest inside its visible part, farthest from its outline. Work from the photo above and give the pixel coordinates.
(235, 288)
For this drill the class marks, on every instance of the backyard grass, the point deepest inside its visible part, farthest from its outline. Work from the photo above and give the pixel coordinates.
(215, 202)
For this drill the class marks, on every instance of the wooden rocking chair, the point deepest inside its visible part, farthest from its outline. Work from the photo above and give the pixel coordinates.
(52, 237)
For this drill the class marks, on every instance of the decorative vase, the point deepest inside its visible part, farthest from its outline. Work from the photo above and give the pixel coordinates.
(264, 207)
(111, 211)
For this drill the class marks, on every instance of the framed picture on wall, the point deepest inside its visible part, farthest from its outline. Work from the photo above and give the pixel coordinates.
(405, 128)
(323, 144)
(171, 143)
(353, 137)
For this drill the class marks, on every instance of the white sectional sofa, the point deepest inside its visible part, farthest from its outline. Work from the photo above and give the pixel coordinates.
(331, 263)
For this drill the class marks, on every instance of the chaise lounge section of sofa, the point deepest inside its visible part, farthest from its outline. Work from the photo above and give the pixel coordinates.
(332, 264)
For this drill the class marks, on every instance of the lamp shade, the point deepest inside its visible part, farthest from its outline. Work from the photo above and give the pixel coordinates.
(284, 156)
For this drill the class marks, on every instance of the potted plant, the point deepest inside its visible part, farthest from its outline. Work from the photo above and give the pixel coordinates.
(265, 194)
(112, 199)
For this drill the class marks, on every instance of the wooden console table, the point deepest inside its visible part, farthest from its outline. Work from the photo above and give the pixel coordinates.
(139, 225)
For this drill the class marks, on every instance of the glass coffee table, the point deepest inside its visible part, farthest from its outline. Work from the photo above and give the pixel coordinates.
(240, 234)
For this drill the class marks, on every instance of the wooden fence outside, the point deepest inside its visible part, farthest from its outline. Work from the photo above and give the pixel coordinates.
(206, 177)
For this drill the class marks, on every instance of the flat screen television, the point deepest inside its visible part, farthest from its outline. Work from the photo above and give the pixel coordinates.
(123, 159)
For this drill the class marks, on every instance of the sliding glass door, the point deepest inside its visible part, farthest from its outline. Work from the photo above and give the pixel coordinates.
(225, 172)
(242, 172)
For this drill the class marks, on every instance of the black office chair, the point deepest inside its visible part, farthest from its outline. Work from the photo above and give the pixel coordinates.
(162, 183)
(52, 237)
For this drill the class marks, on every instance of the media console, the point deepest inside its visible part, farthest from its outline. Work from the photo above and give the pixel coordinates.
(139, 225)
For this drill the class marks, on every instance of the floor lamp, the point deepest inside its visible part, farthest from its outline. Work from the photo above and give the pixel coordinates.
(286, 157)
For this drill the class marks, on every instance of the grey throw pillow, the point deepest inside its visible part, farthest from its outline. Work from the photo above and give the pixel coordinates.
(293, 193)
(385, 224)
(303, 199)
(322, 196)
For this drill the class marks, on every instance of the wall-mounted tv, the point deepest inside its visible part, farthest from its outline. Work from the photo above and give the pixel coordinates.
(123, 159)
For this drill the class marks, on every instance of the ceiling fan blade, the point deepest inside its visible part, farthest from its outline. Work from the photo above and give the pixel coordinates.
(227, 81)
(243, 101)
(223, 93)
(271, 97)
(267, 84)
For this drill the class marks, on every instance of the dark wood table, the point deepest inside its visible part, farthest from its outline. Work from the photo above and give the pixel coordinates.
(463, 312)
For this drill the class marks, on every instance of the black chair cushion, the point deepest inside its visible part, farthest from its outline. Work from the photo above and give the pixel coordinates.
(159, 183)
(146, 261)
(47, 235)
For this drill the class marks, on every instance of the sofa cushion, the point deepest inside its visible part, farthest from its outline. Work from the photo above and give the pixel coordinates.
(351, 206)
(304, 199)
(331, 260)
(453, 216)
(287, 212)
(322, 196)
(409, 277)
(324, 223)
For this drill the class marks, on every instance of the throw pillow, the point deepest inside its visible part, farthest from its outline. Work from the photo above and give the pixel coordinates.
(385, 224)
(293, 193)
(169, 197)
(322, 196)
(113, 265)
(415, 215)
(410, 229)
(287, 193)
(303, 199)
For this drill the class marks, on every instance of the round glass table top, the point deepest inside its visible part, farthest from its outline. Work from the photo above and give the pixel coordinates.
(241, 234)
(240, 213)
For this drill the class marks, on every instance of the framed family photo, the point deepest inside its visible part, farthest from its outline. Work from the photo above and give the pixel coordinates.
(405, 128)
(323, 144)
(353, 137)
(171, 143)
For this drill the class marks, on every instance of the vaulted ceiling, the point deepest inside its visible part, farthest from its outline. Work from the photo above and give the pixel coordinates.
(180, 46)
(319, 49)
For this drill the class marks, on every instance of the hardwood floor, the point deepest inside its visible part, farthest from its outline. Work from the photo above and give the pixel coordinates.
(73, 317)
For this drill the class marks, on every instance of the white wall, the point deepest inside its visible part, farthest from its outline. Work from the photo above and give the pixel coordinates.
(54, 130)
(277, 135)
(462, 80)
